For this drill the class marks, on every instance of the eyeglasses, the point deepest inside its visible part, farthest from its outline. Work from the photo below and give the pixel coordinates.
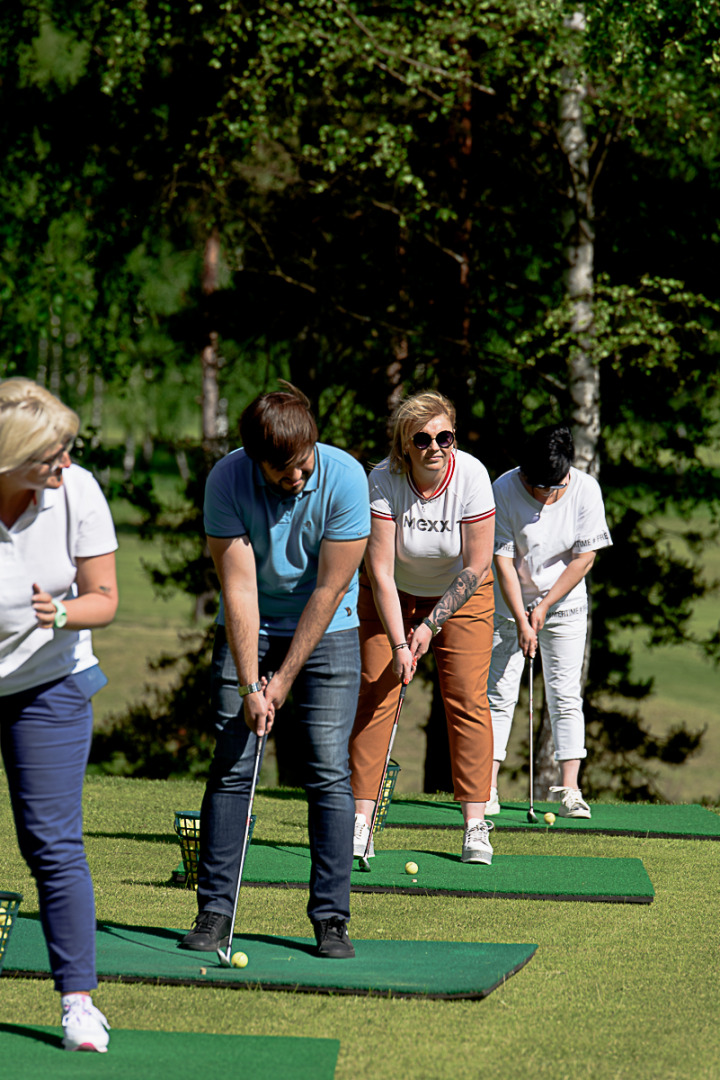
(548, 487)
(444, 439)
(56, 458)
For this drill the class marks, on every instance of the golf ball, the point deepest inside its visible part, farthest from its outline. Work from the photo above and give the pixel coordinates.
(411, 868)
(550, 818)
(203, 971)
(5, 918)
(239, 959)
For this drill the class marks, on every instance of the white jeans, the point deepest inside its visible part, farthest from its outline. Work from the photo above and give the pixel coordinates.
(562, 646)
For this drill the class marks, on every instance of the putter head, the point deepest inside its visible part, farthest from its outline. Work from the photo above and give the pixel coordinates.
(224, 957)
(532, 816)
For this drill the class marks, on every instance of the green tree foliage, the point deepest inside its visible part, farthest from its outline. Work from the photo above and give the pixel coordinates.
(388, 188)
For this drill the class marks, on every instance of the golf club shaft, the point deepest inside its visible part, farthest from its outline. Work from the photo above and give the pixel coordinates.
(256, 772)
(532, 740)
(378, 801)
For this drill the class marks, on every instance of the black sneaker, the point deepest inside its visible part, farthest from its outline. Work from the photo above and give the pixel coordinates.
(332, 939)
(211, 931)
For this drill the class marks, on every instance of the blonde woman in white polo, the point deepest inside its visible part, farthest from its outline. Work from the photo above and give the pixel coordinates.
(57, 582)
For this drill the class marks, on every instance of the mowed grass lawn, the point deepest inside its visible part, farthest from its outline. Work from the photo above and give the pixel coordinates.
(614, 992)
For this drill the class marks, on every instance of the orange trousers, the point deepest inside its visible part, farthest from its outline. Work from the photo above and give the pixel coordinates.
(462, 653)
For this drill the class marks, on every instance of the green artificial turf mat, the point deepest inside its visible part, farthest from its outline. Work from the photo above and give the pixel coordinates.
(29, 1052)
(626, 819)
(429, 968)
(528, 877)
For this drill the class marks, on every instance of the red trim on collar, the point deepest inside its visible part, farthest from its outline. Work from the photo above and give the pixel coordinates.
(443, 487)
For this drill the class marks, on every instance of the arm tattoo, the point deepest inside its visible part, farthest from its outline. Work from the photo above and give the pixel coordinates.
(104, 588)
(462, 588)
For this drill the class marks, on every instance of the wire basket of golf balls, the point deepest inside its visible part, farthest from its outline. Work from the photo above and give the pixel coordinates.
(187, 827)
(9, 904)
(387, 793)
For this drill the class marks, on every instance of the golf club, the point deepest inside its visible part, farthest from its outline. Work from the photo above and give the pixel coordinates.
(224, 957)
(364, 863)
(531, 816)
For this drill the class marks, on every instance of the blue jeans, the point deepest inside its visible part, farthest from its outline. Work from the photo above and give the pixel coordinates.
(45, 737)
(325, 697)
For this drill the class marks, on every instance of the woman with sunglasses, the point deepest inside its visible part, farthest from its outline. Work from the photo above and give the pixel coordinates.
(57, 582)
(427, 584)
(550, 523)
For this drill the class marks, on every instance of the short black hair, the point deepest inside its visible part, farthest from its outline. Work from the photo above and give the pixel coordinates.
(548, 455)
(279, 428)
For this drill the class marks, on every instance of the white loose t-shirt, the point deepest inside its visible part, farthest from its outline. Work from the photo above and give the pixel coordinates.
(428, 541)
(59, 526)
(541, 539)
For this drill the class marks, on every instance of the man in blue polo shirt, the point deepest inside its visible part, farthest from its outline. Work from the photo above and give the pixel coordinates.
(287, 519)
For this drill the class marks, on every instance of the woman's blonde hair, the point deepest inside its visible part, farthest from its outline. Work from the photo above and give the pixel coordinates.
(411, 414)
(32, 422)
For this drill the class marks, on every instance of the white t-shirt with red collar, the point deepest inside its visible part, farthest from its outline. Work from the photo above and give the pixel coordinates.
(428, 538)
(59, 526)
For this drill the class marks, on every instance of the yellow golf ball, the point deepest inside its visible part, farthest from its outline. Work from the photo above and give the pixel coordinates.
(5, 918)
(239, 959)
(550, 818)
(411, 868)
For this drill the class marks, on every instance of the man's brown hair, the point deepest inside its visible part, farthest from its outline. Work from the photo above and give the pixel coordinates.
(279, 427)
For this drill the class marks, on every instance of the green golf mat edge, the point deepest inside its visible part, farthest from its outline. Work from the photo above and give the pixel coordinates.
(520, 877)
(30, 1050)
(398, 968)
(687, 821)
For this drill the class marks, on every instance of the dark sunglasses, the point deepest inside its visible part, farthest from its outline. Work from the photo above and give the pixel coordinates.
(545, 487)
(444, 439)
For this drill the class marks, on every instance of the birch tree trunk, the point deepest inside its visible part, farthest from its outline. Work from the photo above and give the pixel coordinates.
(397, 368)
(214, 409)
(583, 372)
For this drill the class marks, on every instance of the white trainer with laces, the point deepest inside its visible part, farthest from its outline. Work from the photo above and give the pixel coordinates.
(84, 1026)
(360, 838)
(492, 806)
(476, 842)
(572, 803)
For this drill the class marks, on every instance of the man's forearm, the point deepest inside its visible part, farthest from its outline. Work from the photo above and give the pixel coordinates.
(314, 621)
(242, 626)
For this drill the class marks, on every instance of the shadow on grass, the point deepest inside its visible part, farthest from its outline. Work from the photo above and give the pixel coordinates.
(31, 1033)
(121, 930)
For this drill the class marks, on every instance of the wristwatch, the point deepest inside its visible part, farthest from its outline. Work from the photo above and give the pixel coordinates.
(61, 615)
(251, 688)
(432, 627)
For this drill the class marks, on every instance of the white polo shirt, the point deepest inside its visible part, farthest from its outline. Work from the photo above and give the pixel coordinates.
(541, 539)
(59, 526)
(428, 541)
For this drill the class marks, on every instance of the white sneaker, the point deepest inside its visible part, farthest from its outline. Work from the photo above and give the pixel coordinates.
(360, 838)
(572, 803)
(492, 806)
(476, 842)
(84, 1026)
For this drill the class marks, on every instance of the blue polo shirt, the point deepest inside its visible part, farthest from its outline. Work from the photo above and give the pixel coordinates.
(286, 533)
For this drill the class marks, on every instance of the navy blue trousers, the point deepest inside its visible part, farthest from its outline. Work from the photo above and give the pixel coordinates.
(45, 738)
